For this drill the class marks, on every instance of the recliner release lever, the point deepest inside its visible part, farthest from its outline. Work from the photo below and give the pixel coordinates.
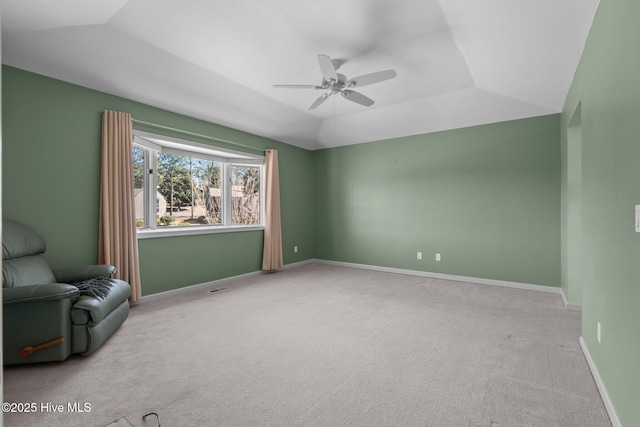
(28, 350)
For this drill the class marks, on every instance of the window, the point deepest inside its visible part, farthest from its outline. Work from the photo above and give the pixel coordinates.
(186, 187)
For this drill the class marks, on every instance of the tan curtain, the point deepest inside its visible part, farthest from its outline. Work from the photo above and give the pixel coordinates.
(272, 254)
(117, 241)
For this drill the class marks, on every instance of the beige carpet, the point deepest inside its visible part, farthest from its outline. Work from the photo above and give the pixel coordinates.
(321, 345)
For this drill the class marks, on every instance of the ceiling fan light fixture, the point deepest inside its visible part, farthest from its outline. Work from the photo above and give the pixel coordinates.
(336, 83)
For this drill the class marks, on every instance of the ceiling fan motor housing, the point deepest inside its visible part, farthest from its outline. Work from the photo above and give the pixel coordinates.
(335, 86)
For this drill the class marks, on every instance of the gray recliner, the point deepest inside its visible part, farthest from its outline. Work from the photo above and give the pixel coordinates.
(45, 318)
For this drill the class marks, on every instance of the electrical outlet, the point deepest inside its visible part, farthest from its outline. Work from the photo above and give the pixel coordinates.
(419, 255)
(437, 257)
(599, 332)
(637, 218)
(295, 249)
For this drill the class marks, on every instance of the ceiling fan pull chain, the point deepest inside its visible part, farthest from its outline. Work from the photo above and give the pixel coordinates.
(334, 113)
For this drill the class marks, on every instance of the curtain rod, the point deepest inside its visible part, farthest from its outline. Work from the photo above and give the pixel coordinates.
(186, 132)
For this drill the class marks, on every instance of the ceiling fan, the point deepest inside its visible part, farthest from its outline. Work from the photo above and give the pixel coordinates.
(334, 83)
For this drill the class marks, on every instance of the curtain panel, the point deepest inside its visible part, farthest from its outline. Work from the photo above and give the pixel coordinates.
(117, 240)
(272, 253)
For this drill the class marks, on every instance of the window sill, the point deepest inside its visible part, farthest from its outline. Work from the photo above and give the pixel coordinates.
(190, 231)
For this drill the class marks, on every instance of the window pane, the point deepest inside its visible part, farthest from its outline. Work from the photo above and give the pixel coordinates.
(138, 185)
(189, 190)
(210, 181)
(245, 195)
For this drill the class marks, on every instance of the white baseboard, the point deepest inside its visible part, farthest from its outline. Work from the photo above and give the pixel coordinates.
(227, 280)
(615, 422)
(506, 284)
(296, 264)
(573, 307)
(492, 282)
(215, 284)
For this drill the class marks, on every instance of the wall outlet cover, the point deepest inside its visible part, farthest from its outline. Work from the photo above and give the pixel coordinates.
(637, 218)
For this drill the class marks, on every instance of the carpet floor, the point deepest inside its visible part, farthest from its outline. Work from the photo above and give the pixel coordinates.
(322, 345)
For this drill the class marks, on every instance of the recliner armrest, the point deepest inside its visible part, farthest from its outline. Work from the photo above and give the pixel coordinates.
(77, 274)
(90, 309)
(48, 292)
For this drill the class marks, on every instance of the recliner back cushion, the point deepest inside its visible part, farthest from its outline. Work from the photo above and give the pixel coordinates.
(29, 270)
(18, 240)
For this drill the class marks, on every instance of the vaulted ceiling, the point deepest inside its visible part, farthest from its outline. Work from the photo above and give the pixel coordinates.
(459, 63)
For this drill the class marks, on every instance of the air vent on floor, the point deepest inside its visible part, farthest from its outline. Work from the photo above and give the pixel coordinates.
(216, 290)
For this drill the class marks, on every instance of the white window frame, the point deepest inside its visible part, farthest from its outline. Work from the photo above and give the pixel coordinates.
(153, 143)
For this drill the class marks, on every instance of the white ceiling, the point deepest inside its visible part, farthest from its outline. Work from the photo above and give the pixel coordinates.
(459, 63)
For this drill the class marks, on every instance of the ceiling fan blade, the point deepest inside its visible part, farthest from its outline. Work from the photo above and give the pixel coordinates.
(327, 68)
(297, 86)
(356, 97)
(319, 101)
(367, 79)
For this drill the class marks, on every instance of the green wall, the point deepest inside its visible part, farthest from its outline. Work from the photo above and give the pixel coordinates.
(51, 175)
(606, 88)
(487, 198)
